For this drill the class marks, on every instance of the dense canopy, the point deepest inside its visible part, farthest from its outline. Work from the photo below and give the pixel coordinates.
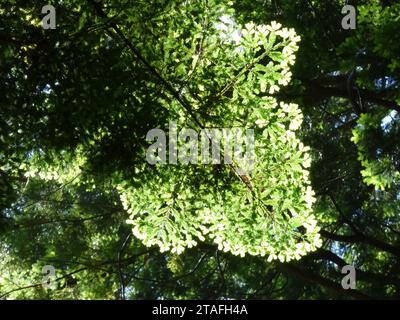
(79, 195)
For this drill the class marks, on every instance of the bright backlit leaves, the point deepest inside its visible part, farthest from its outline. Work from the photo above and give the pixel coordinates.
(230, 84)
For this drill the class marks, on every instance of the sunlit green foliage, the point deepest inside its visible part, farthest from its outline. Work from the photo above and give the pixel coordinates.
(175, 207)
